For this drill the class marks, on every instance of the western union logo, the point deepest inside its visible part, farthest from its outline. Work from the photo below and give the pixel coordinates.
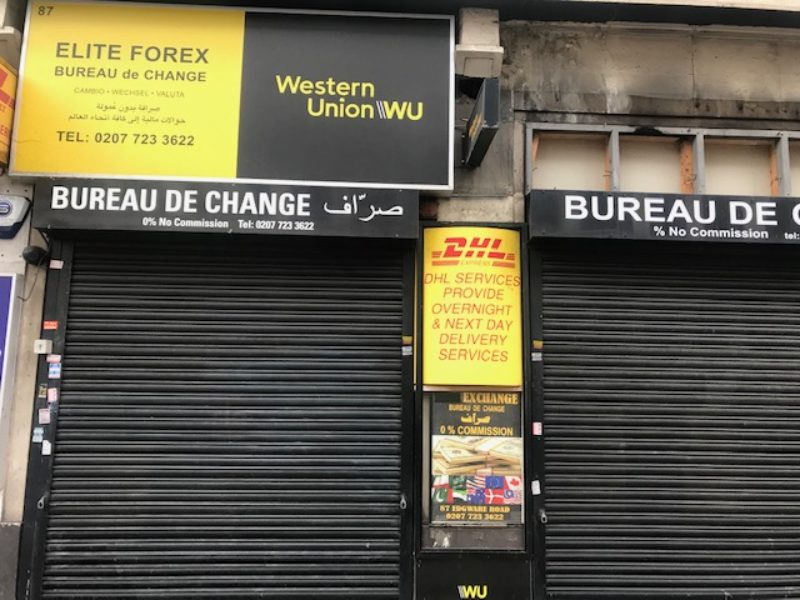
(471, 592)
(332, 99)
(399, 110)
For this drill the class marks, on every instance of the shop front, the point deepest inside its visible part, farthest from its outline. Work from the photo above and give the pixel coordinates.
(668, 387)
(221, 416)
(225, 398)
(475, 538)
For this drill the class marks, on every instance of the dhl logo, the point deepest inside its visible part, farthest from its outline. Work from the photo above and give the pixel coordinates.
(459, 248)
(5, 97)
(470, 592)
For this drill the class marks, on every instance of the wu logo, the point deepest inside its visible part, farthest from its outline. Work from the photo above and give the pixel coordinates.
(470, 592)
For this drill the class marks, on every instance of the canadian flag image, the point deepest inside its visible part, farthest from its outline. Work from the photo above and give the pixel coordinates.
(513, 483)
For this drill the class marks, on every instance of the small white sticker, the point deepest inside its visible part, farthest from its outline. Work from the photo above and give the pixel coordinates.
(56, 264)
(52, 395)
(408, 350)
(44, 416)
(536, 357)
(53, 358)
(54, 371)
(536, 489)
(537, 428)
(47, 448)
(38, 435)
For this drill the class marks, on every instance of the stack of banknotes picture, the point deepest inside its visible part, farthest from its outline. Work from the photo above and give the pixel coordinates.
(476, 470)
(452, 455)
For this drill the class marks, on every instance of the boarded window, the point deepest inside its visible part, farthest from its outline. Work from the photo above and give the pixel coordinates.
(650, 164)
(570, 162)
(738, 167)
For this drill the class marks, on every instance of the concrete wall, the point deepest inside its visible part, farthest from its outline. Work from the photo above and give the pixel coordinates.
(716, 76)
(16, 420)
(653, 70)
(25, 379)
(791, 5)
(493, 191)
(15, 423)
(12, 20)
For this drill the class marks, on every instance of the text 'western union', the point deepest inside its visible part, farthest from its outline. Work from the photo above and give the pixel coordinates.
(332, 99)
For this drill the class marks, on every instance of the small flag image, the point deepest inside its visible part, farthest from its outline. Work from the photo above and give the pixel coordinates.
(495, 497)
(477, 497)
(512, 497)
(513, 483)
(477, 482)
(495, 482)
(458, 482)
(441, 481)
(441, 495)
(460, 494)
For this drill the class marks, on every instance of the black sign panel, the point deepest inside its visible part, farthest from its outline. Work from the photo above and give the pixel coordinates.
(480, 577)
(224, 208)
(483, 123)
(648, 216)
(355, 100)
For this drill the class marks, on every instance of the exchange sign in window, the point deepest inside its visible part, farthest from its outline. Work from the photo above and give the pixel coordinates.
(476, 458)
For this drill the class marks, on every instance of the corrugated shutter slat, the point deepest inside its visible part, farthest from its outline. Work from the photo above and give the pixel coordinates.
(229, 423)
(672, 420)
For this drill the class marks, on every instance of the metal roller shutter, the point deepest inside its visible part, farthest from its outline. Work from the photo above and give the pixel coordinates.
(672, 420)
(230, 422)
